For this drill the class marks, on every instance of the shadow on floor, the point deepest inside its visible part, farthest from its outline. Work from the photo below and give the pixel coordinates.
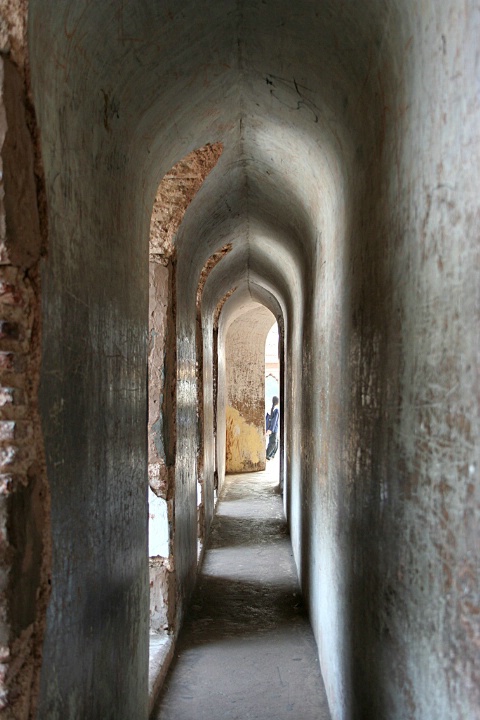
(246, 649)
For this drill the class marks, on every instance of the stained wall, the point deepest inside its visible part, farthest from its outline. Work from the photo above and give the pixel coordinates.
(245, 380)
(24, 493)
(388, 552)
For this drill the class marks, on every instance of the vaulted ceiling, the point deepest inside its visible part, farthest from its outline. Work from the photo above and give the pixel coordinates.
(286, 89)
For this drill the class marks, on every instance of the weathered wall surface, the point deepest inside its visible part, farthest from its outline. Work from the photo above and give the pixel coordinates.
(244, 443)
(245, 378)
(394, 489)
(24, 495)
(161, 438)
(93, 397)
(161, 363)
(94, 410)
(210, 467)
(93, 401)
(174, 194)
(186, 468)
(207, 481)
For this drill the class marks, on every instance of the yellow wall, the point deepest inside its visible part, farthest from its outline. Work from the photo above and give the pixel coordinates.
(245, 444)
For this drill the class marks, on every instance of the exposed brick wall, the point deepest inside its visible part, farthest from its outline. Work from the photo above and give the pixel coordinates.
(24, 497)
(175, 193)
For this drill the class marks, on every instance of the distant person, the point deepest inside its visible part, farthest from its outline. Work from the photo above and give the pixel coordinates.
(271, 423)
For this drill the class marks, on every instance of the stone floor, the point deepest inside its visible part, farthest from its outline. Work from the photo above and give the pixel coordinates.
(246, 649)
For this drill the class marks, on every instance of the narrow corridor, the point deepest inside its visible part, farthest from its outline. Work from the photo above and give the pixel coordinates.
(246, 649)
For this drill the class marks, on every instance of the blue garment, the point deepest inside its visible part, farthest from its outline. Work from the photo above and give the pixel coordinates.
(272, 445)
(272, 421)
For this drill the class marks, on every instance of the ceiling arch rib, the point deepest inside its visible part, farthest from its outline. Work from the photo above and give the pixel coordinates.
(175, 192)
(275, 283)
(246, 297)
(163, 82)
(306, 79)
(283, 110)
(277, 178)
(269, 227)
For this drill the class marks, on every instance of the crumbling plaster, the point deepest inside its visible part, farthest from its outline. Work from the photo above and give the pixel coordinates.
(13, 31)
(175, 192)
(24, 496)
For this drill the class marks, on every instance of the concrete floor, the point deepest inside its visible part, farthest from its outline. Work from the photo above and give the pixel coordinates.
(246, 649)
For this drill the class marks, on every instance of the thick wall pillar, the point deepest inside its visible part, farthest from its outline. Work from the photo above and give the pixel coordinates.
(93, 402)
(209, 415)
(161, 444)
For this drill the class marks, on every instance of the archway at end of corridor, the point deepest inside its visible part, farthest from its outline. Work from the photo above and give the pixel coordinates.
(245, 373)
(272, 396)
(245, 389)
